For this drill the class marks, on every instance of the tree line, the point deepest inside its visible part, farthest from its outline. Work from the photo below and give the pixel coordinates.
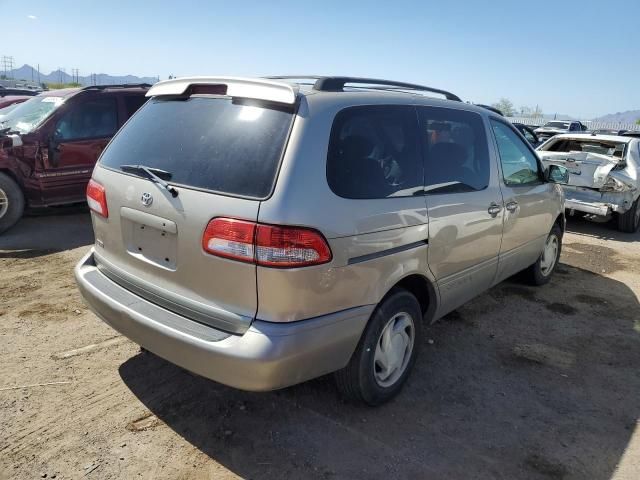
(508, 109)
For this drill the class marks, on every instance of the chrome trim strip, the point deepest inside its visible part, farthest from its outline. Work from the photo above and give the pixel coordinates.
(384, 253)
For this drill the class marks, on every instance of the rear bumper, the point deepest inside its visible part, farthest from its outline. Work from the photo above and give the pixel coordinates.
(597, 203)
(267, 356)
(595, 208)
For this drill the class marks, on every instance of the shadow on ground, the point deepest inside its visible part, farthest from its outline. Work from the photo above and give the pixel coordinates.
(520, 383)
(603, 230)
(47, 231)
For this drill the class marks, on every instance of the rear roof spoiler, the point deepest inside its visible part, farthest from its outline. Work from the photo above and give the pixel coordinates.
(255, 88)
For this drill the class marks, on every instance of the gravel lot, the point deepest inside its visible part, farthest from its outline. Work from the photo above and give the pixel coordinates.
(520, 383)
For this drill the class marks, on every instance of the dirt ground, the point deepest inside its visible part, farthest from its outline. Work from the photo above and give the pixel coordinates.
(540, 383)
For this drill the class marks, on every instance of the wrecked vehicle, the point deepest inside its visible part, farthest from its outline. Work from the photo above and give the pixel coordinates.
(4, 111)
(556, 127)
(604, 175)
(50, 143)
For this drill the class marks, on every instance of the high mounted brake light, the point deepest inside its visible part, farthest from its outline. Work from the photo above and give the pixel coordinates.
(207, 90)
(265, 245)
(97, 198)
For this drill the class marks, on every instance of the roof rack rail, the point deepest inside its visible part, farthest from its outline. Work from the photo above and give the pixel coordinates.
(336, 84)
(490, 108)
(118, 85)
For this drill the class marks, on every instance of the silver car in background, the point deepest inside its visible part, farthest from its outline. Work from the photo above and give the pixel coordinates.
(557, 127)
(263, 232)
(604, 175)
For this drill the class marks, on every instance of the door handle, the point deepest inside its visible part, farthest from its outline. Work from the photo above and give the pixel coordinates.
(512, 206)
(494, 209)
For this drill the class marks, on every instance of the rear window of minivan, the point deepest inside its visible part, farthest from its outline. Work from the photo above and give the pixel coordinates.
(223, 145)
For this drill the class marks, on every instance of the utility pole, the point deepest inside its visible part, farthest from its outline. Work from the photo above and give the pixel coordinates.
(75, 75)
(7, 65)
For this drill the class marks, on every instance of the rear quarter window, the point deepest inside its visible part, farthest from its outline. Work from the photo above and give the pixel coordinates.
(374, 152)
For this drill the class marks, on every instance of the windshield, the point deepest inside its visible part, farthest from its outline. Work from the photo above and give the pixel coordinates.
(5, 111)
(562, 125)
(28, 115)
(614, 149)
(217, 144)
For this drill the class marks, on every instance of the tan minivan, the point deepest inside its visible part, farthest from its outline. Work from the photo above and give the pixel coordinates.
(263, 232)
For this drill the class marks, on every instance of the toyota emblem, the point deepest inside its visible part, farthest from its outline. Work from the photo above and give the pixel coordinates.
(146, 199)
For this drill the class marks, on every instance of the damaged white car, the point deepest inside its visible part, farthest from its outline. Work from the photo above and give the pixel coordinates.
(604, 174)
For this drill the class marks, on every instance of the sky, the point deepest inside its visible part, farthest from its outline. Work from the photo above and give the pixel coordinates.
(570, 57)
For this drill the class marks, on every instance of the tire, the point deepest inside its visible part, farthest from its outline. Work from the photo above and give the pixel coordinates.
(540, 272)
(364, 380)
(629, 221)
(11, 202)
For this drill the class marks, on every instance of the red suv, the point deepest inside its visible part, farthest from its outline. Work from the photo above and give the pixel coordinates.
(50, 143)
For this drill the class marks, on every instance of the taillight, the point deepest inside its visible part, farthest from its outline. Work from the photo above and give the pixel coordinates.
(230, 238)
(97, 198)
(290, 247)
(265, 245)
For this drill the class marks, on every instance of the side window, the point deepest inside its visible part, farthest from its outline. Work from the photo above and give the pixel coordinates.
(574, 127)
(374, 152)
(456, 151)
(132, 103)
(519, 164)
(92, 119)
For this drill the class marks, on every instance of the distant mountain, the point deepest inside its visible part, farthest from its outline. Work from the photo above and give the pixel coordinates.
(558, 116)
(629, 116)
(28, 73)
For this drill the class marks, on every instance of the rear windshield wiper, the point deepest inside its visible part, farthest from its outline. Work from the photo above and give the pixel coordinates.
(152, 176)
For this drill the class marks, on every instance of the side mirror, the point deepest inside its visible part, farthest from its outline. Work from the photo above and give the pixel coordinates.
(556, 174)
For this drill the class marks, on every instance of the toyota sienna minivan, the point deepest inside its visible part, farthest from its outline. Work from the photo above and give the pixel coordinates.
(263, 232)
